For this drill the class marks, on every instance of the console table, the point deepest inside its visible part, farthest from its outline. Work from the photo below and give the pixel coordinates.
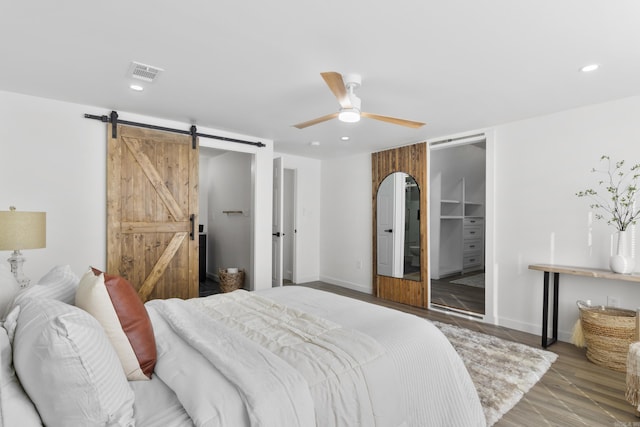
(576, 271)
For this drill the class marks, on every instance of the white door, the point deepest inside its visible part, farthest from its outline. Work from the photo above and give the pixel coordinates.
(390, 225)
(276, 226)
(385, 222)
(399, 195)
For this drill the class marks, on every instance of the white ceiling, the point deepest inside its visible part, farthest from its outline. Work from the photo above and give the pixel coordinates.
(254, 66)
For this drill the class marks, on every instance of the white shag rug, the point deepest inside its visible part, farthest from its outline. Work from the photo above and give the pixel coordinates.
(502, 371)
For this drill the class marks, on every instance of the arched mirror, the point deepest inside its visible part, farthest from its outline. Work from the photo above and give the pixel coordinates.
(398, 227)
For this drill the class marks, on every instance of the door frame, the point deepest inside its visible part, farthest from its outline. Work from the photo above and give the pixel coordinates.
(491, 268)
(291, 225)
(277, 219)
(261, 188)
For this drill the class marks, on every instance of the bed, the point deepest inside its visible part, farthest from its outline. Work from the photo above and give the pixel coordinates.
(282, 356)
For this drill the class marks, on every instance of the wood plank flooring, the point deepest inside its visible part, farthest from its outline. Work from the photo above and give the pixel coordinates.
(456, 296)
(574, 392)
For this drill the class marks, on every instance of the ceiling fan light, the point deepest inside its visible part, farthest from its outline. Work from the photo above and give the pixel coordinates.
(349, 115)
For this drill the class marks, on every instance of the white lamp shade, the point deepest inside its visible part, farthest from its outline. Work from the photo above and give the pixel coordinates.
(22, 230)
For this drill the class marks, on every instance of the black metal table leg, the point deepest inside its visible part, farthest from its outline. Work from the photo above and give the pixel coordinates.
(545, 309)
(556, 287)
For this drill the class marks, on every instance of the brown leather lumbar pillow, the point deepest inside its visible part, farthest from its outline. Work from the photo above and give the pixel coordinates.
(114, 302)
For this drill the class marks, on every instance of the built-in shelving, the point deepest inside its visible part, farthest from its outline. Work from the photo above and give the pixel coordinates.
(457, 228)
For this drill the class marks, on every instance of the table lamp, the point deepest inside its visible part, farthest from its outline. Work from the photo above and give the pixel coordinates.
(21, 230)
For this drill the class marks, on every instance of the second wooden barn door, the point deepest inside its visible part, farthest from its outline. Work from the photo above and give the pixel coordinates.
(152, 211)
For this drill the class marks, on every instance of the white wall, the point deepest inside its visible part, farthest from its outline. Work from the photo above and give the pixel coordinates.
(53, 159)
(538, 165)
(346, 223)
(307, 264)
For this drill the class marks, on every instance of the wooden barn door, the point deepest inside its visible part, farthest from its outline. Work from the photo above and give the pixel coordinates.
(152, 211)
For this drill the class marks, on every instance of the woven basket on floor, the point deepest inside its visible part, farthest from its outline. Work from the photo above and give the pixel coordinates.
(608, 331)
(230, 281)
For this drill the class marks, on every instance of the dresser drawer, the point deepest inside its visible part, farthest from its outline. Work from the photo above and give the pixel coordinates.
(473, 221)
(472, 245)
(471, 260)
(472, 232)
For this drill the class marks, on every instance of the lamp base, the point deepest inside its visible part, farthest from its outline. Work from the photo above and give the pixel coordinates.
(16, 260)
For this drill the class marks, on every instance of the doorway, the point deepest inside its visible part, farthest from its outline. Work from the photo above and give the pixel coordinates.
(289, 227)
(284, 224)
(457, 224)
(225, 215)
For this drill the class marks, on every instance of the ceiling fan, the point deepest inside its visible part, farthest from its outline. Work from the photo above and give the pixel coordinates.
(350, 111)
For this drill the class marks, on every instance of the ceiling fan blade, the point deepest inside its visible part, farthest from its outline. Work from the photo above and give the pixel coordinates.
(336, 84)
(393, 120)
(316, 121)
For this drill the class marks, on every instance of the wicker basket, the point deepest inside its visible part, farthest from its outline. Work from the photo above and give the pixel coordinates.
(230, 281)
(608, 331)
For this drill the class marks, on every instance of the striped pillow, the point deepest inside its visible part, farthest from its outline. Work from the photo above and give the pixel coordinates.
(68, 367)
(16, 409)
(59, 283)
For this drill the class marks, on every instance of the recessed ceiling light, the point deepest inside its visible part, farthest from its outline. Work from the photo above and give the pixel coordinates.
(588, 68)
(344, 138)
(135, 87)
(315, 143)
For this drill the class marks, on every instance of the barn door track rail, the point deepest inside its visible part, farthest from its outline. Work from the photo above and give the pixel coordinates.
(113, 119)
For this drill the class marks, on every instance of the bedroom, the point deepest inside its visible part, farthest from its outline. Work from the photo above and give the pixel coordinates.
(53, 160)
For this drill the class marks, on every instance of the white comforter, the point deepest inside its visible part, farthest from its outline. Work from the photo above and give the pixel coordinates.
(240, 359)
(289, 368)
(437, 390)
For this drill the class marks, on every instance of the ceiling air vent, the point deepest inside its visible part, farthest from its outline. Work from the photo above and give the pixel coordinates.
(147, 73)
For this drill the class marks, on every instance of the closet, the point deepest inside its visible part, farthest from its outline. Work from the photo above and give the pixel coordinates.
(457, 226)
(457, 207)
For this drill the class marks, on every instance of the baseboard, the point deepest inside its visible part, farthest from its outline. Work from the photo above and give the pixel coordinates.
(307, 279)
(531, 328)
(345, 284)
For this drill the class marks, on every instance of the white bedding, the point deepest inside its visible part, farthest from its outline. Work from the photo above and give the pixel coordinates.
(436, 387)
(415, 378)
(405, 374)
(157, 405)
(348, 374)
(271, 391)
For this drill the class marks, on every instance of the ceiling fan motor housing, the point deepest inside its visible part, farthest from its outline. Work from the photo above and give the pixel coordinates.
(352, 81)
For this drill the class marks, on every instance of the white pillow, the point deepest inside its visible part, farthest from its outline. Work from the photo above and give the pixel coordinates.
(9, 288)
(15, 407)
(60, 283)
(68, 367)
